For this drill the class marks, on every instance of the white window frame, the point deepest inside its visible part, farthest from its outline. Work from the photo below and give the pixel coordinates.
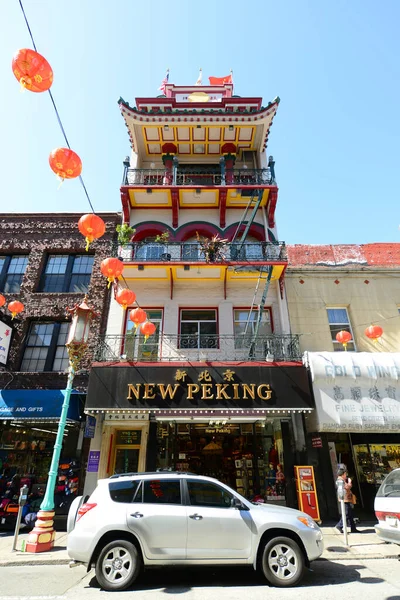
(337, 346)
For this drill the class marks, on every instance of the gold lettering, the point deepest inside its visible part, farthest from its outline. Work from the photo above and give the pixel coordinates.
(133, 389)
(170, 391)
(221, 393)
(149, 389)
(249, 389)
(235, 391)
(193, 388)
(267, 395)
(206, 389)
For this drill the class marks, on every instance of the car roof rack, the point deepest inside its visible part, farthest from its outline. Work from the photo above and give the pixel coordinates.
(158, 472)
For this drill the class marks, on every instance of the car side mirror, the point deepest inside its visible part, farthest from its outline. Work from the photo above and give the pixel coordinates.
(236, 503)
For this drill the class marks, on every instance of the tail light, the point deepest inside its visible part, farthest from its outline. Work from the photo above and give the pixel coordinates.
(383, 515)
(84, 509)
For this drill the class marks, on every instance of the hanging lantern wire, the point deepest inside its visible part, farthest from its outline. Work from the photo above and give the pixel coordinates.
(55, 109)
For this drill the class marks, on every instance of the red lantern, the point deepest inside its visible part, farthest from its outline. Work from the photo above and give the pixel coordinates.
(92, 227)
(138, 316)
(15, 307)
(65, 163)
(111, 268)
(374, 332)
(147, 328)
(344, 338)
(32, 70)
(125, 297)
(2, 300)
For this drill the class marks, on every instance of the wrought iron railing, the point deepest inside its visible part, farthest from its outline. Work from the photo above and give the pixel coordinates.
(172, 347)
(250, 252)
(198, 177)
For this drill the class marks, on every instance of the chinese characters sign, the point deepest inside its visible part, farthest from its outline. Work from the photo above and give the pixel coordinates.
(356, 391)
(5, 337)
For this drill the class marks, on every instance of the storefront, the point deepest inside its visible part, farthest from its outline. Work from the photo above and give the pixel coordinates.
(28, 428)
(231, 422)
(357, 401)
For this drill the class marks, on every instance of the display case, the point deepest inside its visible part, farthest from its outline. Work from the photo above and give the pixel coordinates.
(375, 461)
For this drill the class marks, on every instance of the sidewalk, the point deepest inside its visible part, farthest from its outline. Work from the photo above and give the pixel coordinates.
(361, 546)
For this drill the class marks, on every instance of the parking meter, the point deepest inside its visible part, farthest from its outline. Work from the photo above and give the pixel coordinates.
(23, 495)
(340, 489)
(22, 500)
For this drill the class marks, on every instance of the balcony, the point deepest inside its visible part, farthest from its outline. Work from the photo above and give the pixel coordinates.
(170, 348)
(198, 177)
(192, 252)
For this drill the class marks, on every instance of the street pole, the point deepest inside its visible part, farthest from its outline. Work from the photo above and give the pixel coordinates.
(42, 536)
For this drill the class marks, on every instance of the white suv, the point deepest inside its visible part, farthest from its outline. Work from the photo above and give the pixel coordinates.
(166, 518)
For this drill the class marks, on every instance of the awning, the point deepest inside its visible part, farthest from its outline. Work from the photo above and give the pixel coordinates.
(37, 404)
(355, 391)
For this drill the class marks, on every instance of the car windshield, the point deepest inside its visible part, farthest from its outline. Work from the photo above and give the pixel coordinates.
(390, 485)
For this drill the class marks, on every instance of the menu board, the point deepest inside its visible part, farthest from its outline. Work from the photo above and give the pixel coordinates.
(128, 437)
(306, 491)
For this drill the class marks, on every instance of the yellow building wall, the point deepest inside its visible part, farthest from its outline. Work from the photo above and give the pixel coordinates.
(376, 302)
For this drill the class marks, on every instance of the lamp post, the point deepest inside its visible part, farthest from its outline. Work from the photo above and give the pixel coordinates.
(41, 538)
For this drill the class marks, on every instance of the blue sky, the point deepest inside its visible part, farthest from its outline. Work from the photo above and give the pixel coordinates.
(335, 66)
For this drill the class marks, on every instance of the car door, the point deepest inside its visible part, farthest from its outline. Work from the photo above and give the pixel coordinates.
(159, 519)
(216, 529)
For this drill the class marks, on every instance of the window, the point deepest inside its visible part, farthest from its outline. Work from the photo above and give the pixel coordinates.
(67, 273)
(245, 322)
(123, 491)
(339, 321)
(252, 249)
(391, 486)
(45, 347)
(209, 494)
(162, 491)
(150, 250)
(12, 269)
(191, 250)
(198, 329)
(135, 345)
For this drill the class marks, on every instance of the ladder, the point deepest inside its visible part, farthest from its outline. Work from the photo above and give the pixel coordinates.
(261, 306)
(250, 220)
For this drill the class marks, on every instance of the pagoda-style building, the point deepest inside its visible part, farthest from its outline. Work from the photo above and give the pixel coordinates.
(219, 388)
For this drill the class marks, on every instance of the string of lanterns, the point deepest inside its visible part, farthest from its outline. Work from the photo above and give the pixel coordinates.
(373, 332)
(35, 74)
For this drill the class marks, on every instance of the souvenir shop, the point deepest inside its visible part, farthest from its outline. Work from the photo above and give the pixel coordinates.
(357, 416)
(235, 423)
(28, 428)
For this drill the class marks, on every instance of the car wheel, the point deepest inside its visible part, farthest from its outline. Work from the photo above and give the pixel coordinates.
(282, 562)
(118, 565)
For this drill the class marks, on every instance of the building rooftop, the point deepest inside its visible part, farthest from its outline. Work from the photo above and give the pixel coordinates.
(344, 255)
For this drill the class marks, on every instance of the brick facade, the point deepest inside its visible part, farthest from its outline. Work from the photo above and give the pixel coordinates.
(38, 235)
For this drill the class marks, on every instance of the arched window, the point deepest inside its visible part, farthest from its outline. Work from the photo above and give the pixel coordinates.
(191, 249)
(149, 249)
(252, 249)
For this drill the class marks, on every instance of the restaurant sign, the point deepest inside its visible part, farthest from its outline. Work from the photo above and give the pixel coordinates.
(258, 387)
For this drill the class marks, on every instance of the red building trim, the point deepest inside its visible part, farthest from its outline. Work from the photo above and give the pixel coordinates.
(273, 199)
(175, 208)
(125, 204)
(222, 208)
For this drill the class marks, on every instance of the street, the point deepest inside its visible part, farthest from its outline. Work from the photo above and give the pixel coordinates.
(375, 579)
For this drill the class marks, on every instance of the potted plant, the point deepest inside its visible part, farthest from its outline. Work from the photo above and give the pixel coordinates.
(212, 248)
(163, 238)
(125, 234)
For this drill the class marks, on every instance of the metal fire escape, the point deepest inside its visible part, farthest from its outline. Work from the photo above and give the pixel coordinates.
(265, 272)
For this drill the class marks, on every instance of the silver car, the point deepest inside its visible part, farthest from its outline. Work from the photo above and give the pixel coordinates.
(163, 518)
(387, 508)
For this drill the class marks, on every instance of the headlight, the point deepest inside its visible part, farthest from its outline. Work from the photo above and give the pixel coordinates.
(308, 522)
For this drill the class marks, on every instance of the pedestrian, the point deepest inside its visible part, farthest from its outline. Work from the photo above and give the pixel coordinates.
(348, 500)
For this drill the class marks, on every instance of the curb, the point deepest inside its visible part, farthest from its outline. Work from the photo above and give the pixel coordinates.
(350, 556)
(41, 562)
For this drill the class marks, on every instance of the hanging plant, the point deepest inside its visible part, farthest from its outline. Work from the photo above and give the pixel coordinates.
(125, 233)
(162, 238)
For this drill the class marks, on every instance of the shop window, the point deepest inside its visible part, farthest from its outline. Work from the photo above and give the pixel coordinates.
(135, 346)
(124, 491)
(161, 491)
(67, 273)
(45, 347)
(198, 329)
(339, 321)
(208, 494)
(12, 269)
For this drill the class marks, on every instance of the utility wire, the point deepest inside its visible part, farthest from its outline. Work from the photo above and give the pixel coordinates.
(55, 108)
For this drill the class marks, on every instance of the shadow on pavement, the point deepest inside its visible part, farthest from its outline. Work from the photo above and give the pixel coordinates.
(178, 580)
